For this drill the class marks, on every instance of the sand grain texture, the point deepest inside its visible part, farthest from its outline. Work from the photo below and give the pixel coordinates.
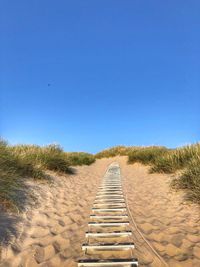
(51, 235)
(169, 224)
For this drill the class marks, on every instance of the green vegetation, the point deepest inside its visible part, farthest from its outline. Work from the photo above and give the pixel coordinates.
(80, 158)
(176, 159)
(135, 153)
(21, 162)
(184, 159)
(146, 155)
(115, 151)
(50, 157)
(12, 169)
(190, 179)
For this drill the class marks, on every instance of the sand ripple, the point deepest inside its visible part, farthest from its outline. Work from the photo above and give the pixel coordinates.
(51, 234)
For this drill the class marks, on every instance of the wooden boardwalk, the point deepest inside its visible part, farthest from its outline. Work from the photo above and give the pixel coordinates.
(109, 239)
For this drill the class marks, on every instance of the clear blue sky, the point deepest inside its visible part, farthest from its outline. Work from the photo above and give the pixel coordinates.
(92, 74)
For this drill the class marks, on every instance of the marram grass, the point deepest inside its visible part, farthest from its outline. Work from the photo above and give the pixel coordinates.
(146, 155)
(190, 179)
(185, 159)
(176, 159)
(116, 151)
(21, 162)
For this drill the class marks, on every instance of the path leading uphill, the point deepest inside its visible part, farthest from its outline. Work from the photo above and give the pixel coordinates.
(109, 239)
(111, 233)
(51, 234)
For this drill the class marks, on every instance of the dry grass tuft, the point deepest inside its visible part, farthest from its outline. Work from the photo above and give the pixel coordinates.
(163, 160)
(21, 162)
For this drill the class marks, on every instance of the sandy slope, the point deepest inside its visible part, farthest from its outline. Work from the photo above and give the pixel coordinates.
(52, 234)
(170, 226)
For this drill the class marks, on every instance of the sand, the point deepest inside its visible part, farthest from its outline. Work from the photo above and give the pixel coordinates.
(51, 233)
(169, 224)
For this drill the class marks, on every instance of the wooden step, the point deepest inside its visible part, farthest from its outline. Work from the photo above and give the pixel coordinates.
(110, 246)
(130, 262)
(108, 201)
(108, 234)
(93, 216)
(110, 205)
(109, 209)
(113, 223)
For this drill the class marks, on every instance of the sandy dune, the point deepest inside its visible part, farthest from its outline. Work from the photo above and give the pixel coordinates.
(52, 233)
(170, 226)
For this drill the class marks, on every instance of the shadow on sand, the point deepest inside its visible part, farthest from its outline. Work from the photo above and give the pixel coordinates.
(8, 228)
(72, 171)
(17, 197)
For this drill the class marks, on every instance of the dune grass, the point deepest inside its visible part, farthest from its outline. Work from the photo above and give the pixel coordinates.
(190, 180)
(50, 157)
(53, 157)
(13, 170)
(17, 163)
(80, 158)
(21, 162)
(185, 159)
(176, 159)
(146, 155)
(115, 151)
